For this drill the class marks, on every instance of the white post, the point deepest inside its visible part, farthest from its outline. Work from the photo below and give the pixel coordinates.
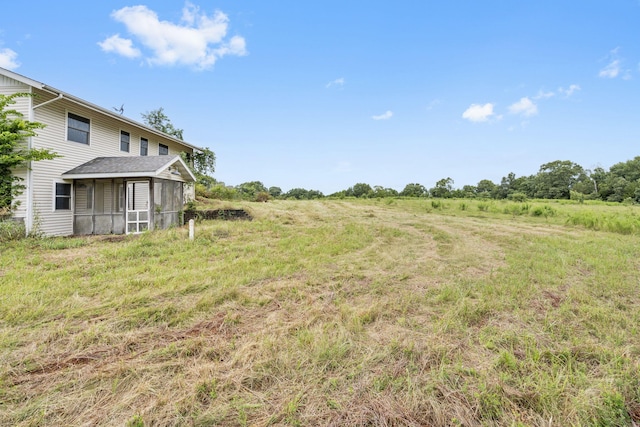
(192, 229)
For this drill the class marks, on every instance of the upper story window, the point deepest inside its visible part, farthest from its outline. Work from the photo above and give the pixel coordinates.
(63, 196)
(78, 129)
(124, 141)
(163, 150)
(144, 146)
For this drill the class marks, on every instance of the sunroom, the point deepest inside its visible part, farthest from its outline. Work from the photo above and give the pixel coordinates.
(128, 195)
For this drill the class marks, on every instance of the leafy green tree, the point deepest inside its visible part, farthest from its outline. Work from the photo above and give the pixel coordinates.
(275, 192)
(443, 188)
(157, 119)
(414, 190)
(380, 191)
(486, 188)
(362, 190)
(248, 190)
(14, 152)
(468, 191)
(204, 162)
(555, 179)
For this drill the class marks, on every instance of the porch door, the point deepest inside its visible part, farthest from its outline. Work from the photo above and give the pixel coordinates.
(137, 207)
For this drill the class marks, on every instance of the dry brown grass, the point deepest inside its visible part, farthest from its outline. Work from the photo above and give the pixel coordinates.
(316, 313)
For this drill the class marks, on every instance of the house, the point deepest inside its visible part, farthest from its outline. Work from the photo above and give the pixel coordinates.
(114, 175)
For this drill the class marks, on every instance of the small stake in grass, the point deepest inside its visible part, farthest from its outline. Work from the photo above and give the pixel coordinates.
(192, 229)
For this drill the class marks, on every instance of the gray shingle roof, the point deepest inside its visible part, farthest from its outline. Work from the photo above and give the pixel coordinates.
(121, 165)
(134, 166)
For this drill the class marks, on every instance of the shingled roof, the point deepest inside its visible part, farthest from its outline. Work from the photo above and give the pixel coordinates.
(130, 167)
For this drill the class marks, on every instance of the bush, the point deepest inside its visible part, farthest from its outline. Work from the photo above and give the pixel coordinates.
(518, 197)
(262, 196)
(11, 230)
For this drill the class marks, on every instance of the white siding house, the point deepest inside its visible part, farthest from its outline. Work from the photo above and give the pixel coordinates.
(64, 196)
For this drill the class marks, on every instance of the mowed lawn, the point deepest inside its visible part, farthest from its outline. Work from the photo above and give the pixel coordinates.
(334, 312)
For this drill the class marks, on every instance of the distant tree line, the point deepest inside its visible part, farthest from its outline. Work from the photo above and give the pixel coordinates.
(560, 179)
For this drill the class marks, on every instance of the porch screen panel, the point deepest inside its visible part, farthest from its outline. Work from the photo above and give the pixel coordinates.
(83, 204)
(102, 210)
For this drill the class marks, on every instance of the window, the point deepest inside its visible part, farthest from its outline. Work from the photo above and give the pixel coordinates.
(78, 129)
(63, 196)
(144, 146)
(124, 141)
(163, 150)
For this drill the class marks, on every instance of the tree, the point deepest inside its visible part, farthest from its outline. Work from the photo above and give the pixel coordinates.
(362, 190)
(13, 151)
(157, 119)
(443, 188)
(275, 192)
(249, 190)
(414, 190)
(486, 188)
(380, 191)
(204, 162)
(556, 179)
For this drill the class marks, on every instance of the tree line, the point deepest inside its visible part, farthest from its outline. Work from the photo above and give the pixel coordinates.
(560, 179)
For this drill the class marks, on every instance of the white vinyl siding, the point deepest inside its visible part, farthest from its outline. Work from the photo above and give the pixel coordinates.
(104, 137)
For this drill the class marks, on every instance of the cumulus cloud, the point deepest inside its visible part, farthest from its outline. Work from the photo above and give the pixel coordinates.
(117, 44)
(337, 82)
(384, 116)
(478, 113)
(570, 90)
(199, 40)
(9, 59)
(524, 107)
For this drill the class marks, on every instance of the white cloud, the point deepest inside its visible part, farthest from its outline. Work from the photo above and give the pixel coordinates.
(385, 116)
(611, 71)
(525, 107)
(337, 82)
(8, 59)
(478, 113)
(198, 40)
(614, 68)
(117, 44)
(570, 91)
(544, 95)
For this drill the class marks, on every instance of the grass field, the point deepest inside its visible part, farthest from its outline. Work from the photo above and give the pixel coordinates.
(336, 312)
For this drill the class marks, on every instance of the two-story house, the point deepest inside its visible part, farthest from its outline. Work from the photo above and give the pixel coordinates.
(114, 175)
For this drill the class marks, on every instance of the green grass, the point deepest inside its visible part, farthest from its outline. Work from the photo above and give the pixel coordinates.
(334, 312)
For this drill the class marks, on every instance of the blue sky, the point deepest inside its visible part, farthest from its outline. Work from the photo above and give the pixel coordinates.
(326, 94)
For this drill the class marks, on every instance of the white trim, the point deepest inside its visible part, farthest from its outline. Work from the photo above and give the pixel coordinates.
(29, 209)
(55, 196)
(140, 147)
(120, 141)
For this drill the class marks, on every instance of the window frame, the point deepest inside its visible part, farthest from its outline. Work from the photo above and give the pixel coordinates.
(128, 142)
(144, 142)
(82, 119)
(62, 196)
(160, 153)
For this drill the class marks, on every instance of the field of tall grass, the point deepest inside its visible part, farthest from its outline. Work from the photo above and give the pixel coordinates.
(334, 312)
